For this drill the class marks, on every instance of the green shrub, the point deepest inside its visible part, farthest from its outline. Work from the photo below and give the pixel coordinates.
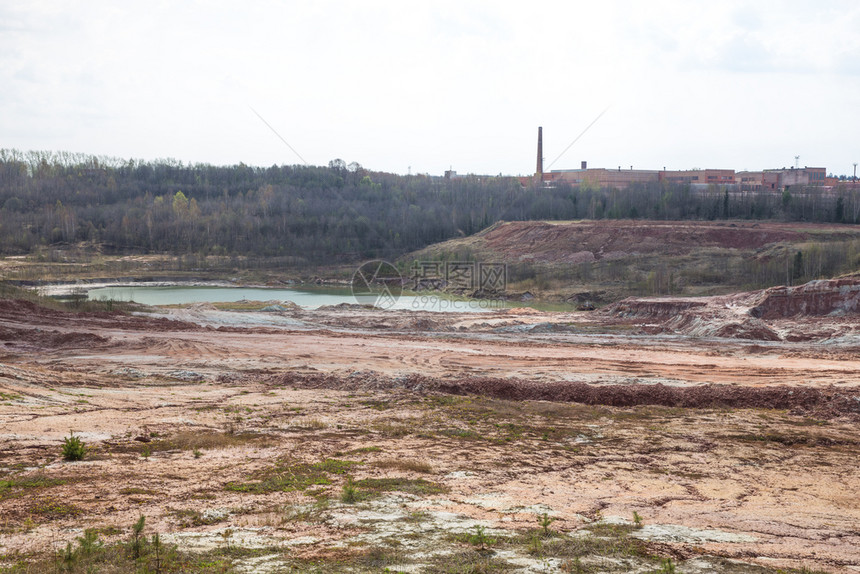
(73, 447)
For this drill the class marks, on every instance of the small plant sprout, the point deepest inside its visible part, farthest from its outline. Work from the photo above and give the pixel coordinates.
(68, 558)
(479, 538)
(73, 447)
(89, 543)
(226, 536)
(535, 544)
(349, 494)
(637, 520)
(667, 566)
(197, 453)
(545, 520)
(137, 539)
(158, 552)
(574, 566)
(146, 452)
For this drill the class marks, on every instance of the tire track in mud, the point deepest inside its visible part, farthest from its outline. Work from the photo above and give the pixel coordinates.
(682, 362)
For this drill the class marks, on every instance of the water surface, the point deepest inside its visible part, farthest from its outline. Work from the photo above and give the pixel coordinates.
(305, 297)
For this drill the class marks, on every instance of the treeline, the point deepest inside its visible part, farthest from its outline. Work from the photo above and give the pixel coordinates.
(320, 215)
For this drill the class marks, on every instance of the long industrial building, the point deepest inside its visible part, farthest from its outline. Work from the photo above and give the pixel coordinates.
(622, 177)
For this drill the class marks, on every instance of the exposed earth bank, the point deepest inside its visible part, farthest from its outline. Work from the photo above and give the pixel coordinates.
(600, 262)
(827, 310)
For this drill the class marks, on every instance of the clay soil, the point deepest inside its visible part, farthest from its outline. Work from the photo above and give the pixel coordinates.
(739, 452)
(555, 242)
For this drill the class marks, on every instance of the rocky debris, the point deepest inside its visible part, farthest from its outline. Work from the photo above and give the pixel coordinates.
(421, 324)
(750, 329)
(654, 308)
(280, 307)
(757, 315)
(345, 307)
(201, 306)
(543, 327)
(185, 375)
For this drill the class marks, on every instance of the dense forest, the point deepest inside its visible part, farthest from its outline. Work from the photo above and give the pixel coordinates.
(322, 215)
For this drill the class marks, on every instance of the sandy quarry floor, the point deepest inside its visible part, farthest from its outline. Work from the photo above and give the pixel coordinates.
(244, 437)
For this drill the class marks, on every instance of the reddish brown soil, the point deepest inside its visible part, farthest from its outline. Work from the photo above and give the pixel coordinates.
(580, 412)
(594, 240)
(32, 315)
(822, 403)
(817, 298)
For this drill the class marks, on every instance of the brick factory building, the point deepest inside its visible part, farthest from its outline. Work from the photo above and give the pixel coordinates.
(600, 177)
(770, 179)
(700, 176)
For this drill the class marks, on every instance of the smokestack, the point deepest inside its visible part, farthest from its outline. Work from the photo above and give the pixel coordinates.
(539, 171)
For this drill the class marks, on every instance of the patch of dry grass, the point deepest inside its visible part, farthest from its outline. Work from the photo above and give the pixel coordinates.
(208, 440)
(18, 484)
(408, 465)
(289, 476)
(131, 491)
(309, 424)
(53, 508)
(399, 484)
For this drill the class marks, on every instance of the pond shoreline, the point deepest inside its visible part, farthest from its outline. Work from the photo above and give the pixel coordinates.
(307, 296)
(80, 288)
(55, 289)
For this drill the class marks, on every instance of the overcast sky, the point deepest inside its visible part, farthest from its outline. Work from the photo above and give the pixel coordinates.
(399, 85)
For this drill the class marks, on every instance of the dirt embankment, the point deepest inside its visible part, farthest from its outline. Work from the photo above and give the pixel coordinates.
(816, 298)
(820, 310)
(27, 312)
(577, 242)
(827, 402)
(31, 325)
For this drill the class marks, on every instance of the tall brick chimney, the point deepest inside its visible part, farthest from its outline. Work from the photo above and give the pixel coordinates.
(539, 170)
